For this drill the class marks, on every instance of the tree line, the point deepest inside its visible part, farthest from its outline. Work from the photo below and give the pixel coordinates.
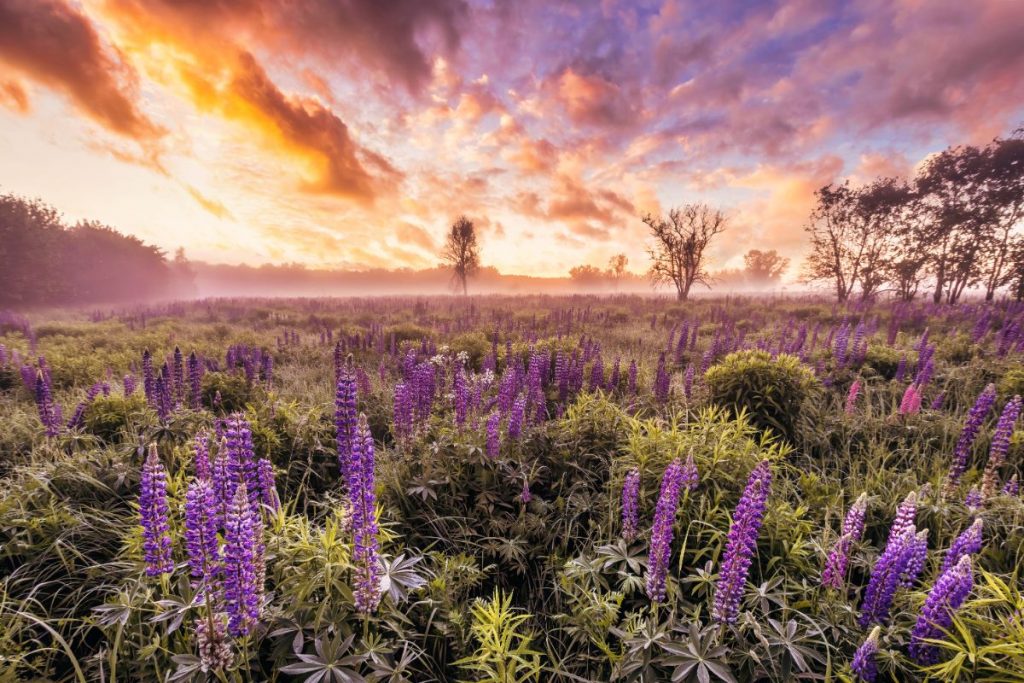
(44, 261)
(956, 225)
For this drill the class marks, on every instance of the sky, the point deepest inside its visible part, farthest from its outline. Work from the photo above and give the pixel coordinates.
(350, 133)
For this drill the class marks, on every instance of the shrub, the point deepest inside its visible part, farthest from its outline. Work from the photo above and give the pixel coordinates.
(234, 391)
(1012, 383)
(112, 417)
(772, 391)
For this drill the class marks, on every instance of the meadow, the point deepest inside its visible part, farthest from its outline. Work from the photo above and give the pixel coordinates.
(512, 489)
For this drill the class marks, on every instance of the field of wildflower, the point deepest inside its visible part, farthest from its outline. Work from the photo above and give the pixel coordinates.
(512, 489)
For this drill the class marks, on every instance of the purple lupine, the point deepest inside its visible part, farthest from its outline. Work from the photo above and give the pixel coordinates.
(156, 543)
(906, 513)
(1000, 446)
(78, 417)
(915, 563)
(48, 413)
(973, 499)
(195, 381)
(516, 417)
(129, 384)
(148, 379)
(268, 487)
(525, 496)
(742, 544)
(363, 498)
(967, 543)
(972, 425)
(938, 401)
(242, 458)
(631, 378)
(851, 397)
(1012, 486)
(688, 381)
(178, 378)
(946, 596)
(864, 664)
(661, 381)
(243, 593)
(689, 477)
(493, 435)
(346, 416)
(901, 368)
(886, 575)
(834, 573)
(630, 505)
(201, 532)
(201, 455)
(661, 531)
(460, 392)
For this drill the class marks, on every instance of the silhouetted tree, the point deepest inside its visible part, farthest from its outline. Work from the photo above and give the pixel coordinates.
(1005, 195)
(837, 239)
(680, 242)
(764, 267)
(461, 251)
(1014, 275)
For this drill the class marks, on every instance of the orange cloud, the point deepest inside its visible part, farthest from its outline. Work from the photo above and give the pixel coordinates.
(55, 45)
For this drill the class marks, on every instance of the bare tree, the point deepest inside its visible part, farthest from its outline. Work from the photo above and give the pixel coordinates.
(678, 253)
(462, 252)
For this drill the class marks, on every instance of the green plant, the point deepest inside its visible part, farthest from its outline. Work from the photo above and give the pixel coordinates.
(503, 654)
(774, 393)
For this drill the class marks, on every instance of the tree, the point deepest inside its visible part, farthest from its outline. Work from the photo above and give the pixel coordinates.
(587, 276)
(677, 256)
(462, 252)
(1005, 194)
(1014, 275)
(617, 268)
(959, 216)
(764, 267)
(836, 237)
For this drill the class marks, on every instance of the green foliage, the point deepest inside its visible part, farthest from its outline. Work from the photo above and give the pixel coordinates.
(235, 392)
(1012, 383)
(504, 653)
(775, 393)
(115, 419)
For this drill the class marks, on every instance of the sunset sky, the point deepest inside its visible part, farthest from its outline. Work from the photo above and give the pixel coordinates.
(349, 133)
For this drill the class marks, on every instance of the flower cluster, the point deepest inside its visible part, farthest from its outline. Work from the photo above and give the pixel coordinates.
(864, 664)
(661, 531)
(834, 573)
(1000, 446)
(156, 542)
(363, 499)
(741, 544)
(972, 425)
(946, 596)
(967, 543)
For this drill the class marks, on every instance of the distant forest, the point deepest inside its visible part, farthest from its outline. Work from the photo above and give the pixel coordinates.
(44, 261)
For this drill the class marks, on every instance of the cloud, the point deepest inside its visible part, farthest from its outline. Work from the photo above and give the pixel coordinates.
(212, 206)
(55, 45)
(13, 95)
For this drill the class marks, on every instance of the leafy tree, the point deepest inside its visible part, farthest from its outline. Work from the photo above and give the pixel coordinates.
(617, 268)
(462, 252)
(1005, 194)
(837, 238)
(587, 275)
(680, 242)
(764, 267)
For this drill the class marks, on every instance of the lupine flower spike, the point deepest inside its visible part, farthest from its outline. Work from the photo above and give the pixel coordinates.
(864, 664)
(630, 501)
(661, 531)
(946, 596)
(153, 516)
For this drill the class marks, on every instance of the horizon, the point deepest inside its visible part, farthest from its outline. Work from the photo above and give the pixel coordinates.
(250, 135)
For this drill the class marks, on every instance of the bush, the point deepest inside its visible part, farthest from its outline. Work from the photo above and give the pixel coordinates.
(111, 417)
(1012, 383)
(772, 391)
(884, 360)
(235, 391)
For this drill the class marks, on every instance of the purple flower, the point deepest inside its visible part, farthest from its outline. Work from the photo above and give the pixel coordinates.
(973, 499)
(864, 664)
(661, 381)
(937, 402)
(243, 592)
(156, 541)
(889, 570)
(345, 416)
(911, 402)
(689, 477)
(631, 378)
(661, 531)
(493, 435)
(241, 459)
(967, 543)
(905, 516)
(49, 413)
(741, 544)
(201, 455)
(195, 380)
(901, 368)
(972, 425)
(630, 504)
(1012, 486)
(516, 417)
(363, 498)
(525, 496)
(948, 593)
(403, 409)
(1000, 446)
(129, 384)
(201, 531)
(915, 563)
(834, 573)
(268, 487)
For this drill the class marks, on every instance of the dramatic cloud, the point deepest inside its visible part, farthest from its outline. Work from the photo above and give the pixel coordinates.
(50, 42)
(351, 132)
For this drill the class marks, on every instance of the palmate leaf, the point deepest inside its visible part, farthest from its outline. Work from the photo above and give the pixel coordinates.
(331, 662)
(399, 578)
(698, 657)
